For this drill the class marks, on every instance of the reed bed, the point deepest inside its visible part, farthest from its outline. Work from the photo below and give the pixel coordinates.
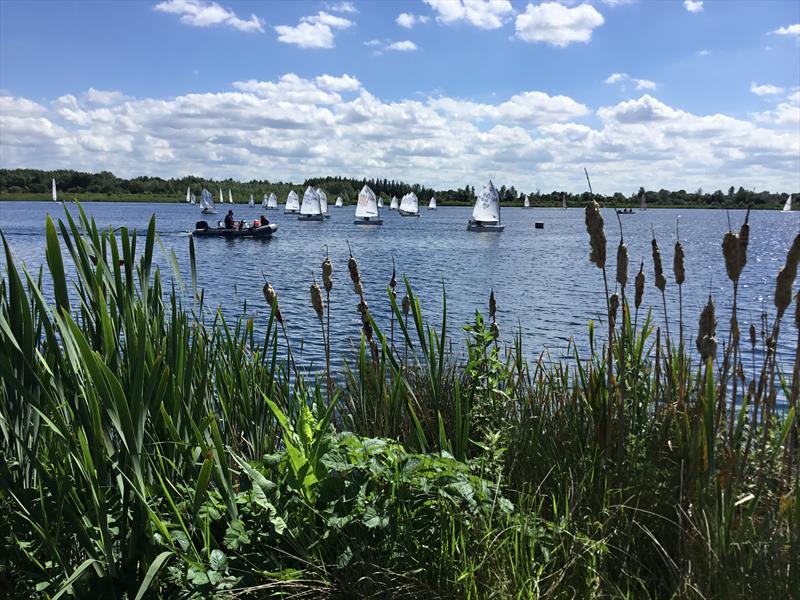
(151, 449)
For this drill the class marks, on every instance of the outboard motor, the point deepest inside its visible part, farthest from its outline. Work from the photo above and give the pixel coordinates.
(201, 225)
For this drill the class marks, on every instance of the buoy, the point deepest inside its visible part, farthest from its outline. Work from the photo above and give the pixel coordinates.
(539, 224)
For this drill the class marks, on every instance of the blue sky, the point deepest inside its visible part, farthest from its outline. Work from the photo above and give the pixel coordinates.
(676, 94)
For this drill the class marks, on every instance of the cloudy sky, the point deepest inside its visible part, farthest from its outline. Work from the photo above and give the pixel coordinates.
(675, 94)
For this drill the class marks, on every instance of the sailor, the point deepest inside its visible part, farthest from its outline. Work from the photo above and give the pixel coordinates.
(229, 220)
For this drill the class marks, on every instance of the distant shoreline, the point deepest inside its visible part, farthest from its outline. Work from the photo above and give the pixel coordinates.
(90, 198)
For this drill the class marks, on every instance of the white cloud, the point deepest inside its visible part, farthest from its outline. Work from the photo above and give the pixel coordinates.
(199, 13)
(104, 98)
(404, 46)
(484, 14)
(704, 52)
(693, 6)
(765, 90)
(292, 127)
(343, 7)
(641, 84)
(793, 30)
(408, 20)
(315, 31)
(557, 25)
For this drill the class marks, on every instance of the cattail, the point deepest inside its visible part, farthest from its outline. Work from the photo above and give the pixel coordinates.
(734, 249)
(661, 281)
(639, 286)
(363, 310)
(367, 327)
(752, 335)
(352, 266)
(597, 237)
(706, 340)
(622, 264)
(494, 329)
(393, 282)
(327, 274)
(613, 307)
(316, 299)
(406, 305)
(272, 300)
(677, 264)
(492, 305)
(783, 287)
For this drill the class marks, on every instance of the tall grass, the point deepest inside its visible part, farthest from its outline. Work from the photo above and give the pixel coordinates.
(152, 449)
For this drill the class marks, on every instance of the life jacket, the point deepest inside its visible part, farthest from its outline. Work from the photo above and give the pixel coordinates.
(256, 223)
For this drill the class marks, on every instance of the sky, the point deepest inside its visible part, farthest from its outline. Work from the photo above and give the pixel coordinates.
(676, 94)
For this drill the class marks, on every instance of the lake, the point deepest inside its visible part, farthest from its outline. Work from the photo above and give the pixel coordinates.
(542, 278)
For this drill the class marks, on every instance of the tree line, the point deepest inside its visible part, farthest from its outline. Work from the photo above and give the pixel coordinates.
(77, 183)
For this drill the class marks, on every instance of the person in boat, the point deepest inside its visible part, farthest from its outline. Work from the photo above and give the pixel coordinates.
(264, 221)
(229, 220)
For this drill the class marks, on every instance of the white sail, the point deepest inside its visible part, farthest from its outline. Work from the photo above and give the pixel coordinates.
(323, 200)
(380, 202)
(786, 207)
(252, 202)
(188, 194)
(264, 201)
(55, 193)
(230, 196)
(410, 204)
(292, 201)
(527, 203)
(339, 202)
(311, 204)
(564, 201)
(221, 199)
(194, 199)
(367, 206)
(206, 200)
(643, 201)
(487, 207)
(394, 204)
(432, 204)
(272, 201)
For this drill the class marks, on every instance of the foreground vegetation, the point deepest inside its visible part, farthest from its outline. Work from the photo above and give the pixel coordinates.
(34, 184)
(152, 449)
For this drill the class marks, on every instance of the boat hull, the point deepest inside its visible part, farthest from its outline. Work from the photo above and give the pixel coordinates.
(290, 211)
(405, 213)
(258, 232)
(480, 226)
(205, 211)
(310, 218)
(374, 221)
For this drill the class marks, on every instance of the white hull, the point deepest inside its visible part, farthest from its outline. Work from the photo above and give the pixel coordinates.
(208, 211)
(481, 226)
(405, 213)
(310, 218)
(290, 211)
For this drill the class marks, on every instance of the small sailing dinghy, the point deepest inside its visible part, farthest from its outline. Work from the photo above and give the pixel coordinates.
(55, 192)
(264, 201)
(221, 199)
(188, 195)
(367, 208)
(252, 202)
(310, 210)
(323, 203)
(563, 201)
(292, 203)
(339, 202)
(394, 203)
(272, 202)
(409, 205)
(194, 199)
(526, 203)
(486, 214)
(432, 204)
(230, 196)
(787, 208)
(380, 202)
(207, 203)
(642, 201)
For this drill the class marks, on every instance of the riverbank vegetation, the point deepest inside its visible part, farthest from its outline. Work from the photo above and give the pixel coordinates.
(33, 184)
(150, 448)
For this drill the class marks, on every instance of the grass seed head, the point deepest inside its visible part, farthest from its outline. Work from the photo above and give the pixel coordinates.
(752, 335)
(494, 329)
(327, 274)
(658, 268)
(492, 305)
(677, 264)
(706, 332)
(622, 264)
(613, 308)
(272, 300)
(406, 305)
(393, 282)
(316, 300)
(597, 237)
(639, 286)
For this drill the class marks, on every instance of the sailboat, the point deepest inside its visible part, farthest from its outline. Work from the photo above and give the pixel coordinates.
(643, 201)
(264, 201)
(230, 196)
(394, 203)
(339, 202)
(787, 208)
(432, 204)
(367, 208)
(323, 203)
(272, 202)
(194, 199)
(188, 195)
(409, 205)
(207, 202)
(251, 203)
(221, 199)
(563, 201)
(55, 192)
(526, 203)
(310, 210)
(486, 214)
(292, 203)
(380, 202)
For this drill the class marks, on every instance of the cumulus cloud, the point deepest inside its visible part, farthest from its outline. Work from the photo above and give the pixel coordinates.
(641, 84)
(408, 20)
(484, 14)
(693, 6)
(556, 24)
(292, 127)
(765, 89)
(789, 30)
(104, 98)
(198, 13)
(315, 31)
(343, 7)
(404, 46)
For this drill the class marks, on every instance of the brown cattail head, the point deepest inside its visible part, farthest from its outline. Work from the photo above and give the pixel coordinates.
(706, 332)
(597, 237)
(492, 305)
(393, 282)
(327, 274)
(613, 307)
(363, 310)
(786, 276)
(316, 300)
(272, 300)
(661, 281)
(406, 305)
(734, 249)
(355, 276)
(639, 286)
(677, 264)
(752, 335)
(622, 264)
(367, 328)
(494, 329)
